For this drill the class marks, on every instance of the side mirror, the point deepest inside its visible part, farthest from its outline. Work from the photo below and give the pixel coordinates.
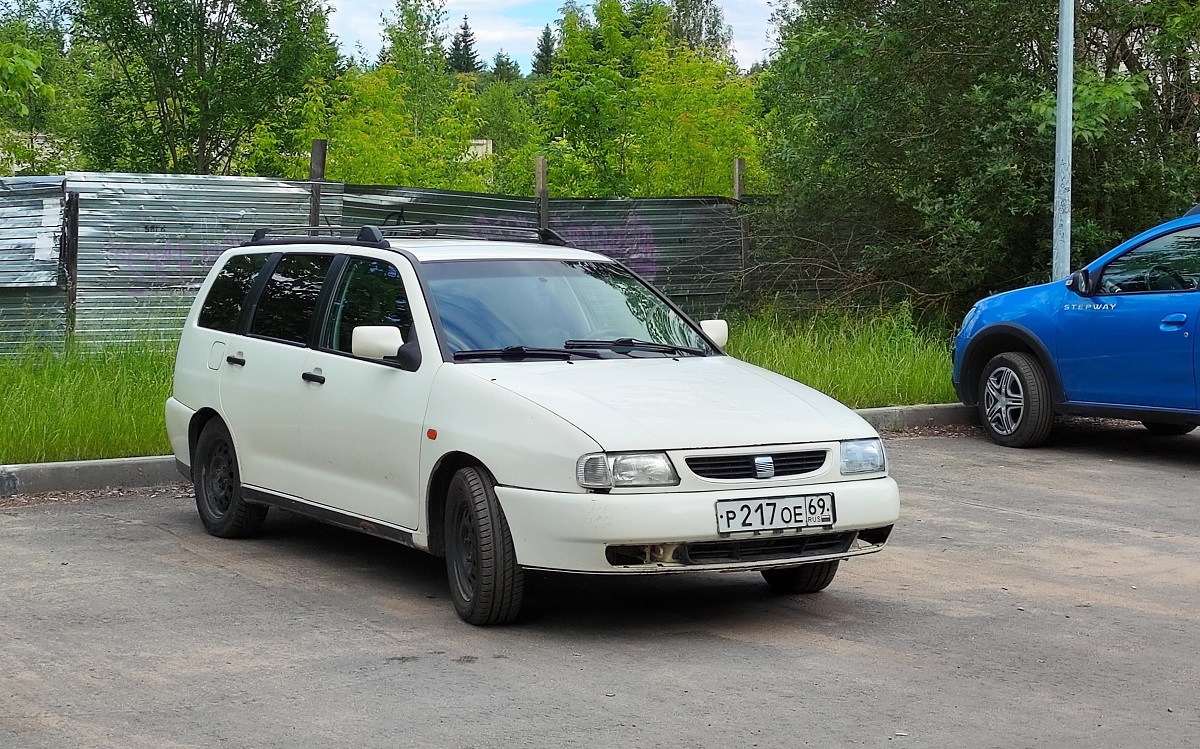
(408, 357)
(375, 341)
(1080, 282)
(717, 330)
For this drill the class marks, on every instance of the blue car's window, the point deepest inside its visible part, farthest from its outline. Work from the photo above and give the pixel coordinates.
(1168, 263)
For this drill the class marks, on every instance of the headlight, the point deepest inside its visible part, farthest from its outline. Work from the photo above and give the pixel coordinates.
(602, 471)
(862, 456)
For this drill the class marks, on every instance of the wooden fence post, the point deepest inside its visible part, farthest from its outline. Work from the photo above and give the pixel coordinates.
(543, 194)
(316, 174)
(739, 193)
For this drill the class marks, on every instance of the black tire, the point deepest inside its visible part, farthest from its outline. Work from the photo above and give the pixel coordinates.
(1163, 429)
(1016, 407)
(218, 486)
(486, 583)
(807, 578)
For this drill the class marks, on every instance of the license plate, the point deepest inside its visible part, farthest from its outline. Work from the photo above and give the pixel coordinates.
(775, 513)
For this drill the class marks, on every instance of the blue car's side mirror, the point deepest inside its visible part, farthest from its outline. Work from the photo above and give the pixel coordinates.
(1080, 282)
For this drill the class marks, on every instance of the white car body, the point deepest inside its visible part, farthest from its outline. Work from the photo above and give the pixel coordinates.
(368, 447)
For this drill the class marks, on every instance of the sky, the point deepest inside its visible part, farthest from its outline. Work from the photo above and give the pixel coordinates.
(515, 25)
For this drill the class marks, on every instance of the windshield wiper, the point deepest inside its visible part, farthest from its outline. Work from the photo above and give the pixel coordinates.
(634, 344)
(522, 352)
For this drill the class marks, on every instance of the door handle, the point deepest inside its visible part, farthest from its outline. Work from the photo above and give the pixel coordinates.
(1173, 322)
(313, 377)
(237, 361)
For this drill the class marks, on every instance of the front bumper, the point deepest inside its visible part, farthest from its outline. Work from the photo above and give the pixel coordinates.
(574, 532)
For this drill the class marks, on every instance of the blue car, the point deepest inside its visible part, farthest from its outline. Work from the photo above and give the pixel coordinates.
(1116, 339)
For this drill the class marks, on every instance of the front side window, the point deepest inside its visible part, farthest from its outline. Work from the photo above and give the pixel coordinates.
(370, 292)
(1168, 263)
(227, 296)
(286, 308)
(486, 304)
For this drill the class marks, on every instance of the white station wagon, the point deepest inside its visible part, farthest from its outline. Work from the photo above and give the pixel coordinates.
(509, 406)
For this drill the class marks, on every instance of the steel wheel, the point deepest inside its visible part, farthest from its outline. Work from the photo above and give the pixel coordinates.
(486, 583)
(219, 479)
(463, 553)
(218, 485)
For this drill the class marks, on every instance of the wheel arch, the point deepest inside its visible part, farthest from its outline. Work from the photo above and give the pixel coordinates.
(196, 426)
(998, 339)
(435, 497)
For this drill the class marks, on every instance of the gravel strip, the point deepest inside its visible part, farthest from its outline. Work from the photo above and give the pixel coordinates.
(177, 491)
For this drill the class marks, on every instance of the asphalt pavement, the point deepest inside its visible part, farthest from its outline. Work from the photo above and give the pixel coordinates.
(1038, 598)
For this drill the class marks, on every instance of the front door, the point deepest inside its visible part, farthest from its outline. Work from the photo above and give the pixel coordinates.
(1132, 342)
(364, 420)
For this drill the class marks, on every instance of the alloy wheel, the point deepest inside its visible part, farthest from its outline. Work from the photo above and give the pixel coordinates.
(1004, 401)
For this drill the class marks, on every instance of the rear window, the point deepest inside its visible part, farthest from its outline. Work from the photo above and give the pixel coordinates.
(225, 300)
(286, 308)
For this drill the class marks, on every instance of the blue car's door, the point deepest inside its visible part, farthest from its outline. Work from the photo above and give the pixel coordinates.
(1132, 342)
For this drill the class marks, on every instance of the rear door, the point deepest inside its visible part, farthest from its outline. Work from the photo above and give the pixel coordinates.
(261, 380)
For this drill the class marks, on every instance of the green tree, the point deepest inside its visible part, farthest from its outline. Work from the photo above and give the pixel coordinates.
(19, 78)
(632, 110)
(912, 149)
(36, 89)
(701, 24)
(181, 85)
(406, 122)
(462, 57)
(543, 56)
(504, 68)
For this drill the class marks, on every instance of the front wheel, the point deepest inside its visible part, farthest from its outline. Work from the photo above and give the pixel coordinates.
(218, 486)
(1015, 404)
(808, 578)
(486, 583)
(1163, 429)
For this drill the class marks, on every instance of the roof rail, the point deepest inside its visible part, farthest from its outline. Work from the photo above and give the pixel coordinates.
(365, 235)
(477, 231)
(376, 236)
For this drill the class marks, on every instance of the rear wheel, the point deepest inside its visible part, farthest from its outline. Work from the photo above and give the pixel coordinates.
(1163, 429)
(808, 578)
(1015, 404)
(218, 486)
(486, 583)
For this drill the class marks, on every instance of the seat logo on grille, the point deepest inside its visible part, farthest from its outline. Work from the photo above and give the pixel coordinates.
(764, 467)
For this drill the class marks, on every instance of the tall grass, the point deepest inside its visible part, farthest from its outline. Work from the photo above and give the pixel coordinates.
(864, 359)
(108, 402)
(84, 403)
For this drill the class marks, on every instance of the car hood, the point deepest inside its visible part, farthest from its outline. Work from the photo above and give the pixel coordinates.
(666, 403)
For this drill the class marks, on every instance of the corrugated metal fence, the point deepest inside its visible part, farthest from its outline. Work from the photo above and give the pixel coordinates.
(118, 257)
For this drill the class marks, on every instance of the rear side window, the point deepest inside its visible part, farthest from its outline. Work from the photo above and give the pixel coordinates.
(225, 300)
(285, 310)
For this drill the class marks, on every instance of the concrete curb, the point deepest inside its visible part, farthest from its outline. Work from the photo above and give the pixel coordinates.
(896, 418)
(90, 475)
(87, 475)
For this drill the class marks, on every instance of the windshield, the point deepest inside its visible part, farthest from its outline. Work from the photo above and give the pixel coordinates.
(491, 305)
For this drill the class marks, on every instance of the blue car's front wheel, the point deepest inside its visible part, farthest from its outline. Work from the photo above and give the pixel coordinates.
(1015, 405)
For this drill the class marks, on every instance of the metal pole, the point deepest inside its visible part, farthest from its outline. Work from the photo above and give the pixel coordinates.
(1061, 265)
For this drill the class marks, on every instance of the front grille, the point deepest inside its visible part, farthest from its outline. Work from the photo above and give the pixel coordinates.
(763, 549)
(742, 466)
